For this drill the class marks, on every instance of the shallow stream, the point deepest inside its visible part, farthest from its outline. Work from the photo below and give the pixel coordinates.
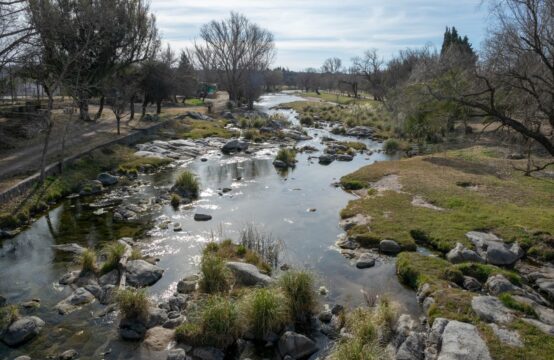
(276, 203)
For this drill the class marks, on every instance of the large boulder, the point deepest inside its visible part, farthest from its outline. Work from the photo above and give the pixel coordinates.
(389, 247)
(490, 309)
(365, 261)
(234, 146)
(462, 341)
(506, 336)
(22, 330)
(107, 179)
(501, 255)
(80, 297)
(494, 250)
(296, 345)
(141, 273)
(248, 274)
(326, 159)
(462, 254)
(158, 338)
(188, 284)
(498, 284)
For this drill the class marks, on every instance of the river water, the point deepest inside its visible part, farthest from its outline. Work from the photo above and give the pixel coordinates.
(274, 202)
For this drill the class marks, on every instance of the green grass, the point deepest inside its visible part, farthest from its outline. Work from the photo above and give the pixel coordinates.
(194, 102)
(133, 303)
(187, 184)
(215, 275)
(215, 324)
(351, 184)
(288, 156)
(115, 252)
(229, 251)
(8, 314)
(298, 287)
(483, 271)
(264, 311)
(200, 129)
(512, 303)
(512, 206)
(175, 200)
(340, 99)
(88, 262)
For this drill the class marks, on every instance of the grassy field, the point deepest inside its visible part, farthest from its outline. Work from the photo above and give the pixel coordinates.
(338, 99)
(476, 189)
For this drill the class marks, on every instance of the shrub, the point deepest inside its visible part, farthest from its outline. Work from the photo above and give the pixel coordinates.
(262, 244)
(115, 252)
(133, 303)
(8, 314)
(288, 156)
(135, 255)
(350, 184)
(187, 184)
(264, 311)
(298, 287)
(250, 134)
(175, 200)
(241, 250)
(391, 146)
(88, 261)
(215, 275)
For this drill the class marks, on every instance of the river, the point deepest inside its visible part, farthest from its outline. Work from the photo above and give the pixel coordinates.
(274, 202)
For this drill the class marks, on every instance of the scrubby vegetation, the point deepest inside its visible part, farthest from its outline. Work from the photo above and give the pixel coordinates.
(187, 184)
(264, 311)
(8, 314)
(133, 303)
(298, 287)
(216, 277)
(114, 253)
(371, 328)
(88, 262)
(199, 129)
(288, 156)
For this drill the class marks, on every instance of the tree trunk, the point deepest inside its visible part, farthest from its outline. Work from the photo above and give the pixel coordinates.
(118, 120)
(144, 105)
(100, 109)
(132, 108)
(83, 110)
(158, 107)
(48, 121)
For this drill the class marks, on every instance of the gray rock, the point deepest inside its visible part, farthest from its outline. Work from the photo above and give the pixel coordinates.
(296, 345)
(490, 309)
(545, 328)
(234, 146)
(188, 284)
(462, 341)
(365, 261)
(471, 283)
(69, 355)
(208, 353)
(493, 249)
(80, 297)
(546, 286)
(110, 278)
(23, 357)
(357, 220)
(156, 316)
(91, 187)
(70, 248)
(325, 316)
(461, 254)
(202, 217)
(107, 179)
(176, 354)
(280, 164)
(174, 323)
(345, 242)
(22, 330)
(508, 337)
(389, 247)
(141, 273)
(500, 255)
(412, 348)
(345, 157)
(2, 301)
(178, 302)
(326, 159)
(248, 274)
(360, 131)
(69, 278)
(498, 284)
(132, 329)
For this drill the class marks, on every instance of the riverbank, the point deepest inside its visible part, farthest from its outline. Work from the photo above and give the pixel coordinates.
(492, 226)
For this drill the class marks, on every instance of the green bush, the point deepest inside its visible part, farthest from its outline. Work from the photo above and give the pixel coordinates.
(391, 146)
(187, 185)
(133, 303)
(175, 200)
(288, 156)
(215, 275)
(350, 184)
(88, 261)
(298, 287)
(115, 252)
(264, 311)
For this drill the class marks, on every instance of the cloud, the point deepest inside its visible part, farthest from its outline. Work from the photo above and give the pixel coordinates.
(308, 31)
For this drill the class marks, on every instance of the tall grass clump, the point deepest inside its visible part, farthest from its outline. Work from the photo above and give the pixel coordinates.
(215, 275)
(371, 330)
(391, 146)
(187, 185)
(115, 252)
(288, 156)
(133, 303)
(264, 311)
(8, 314)
(298, 287)
(88, 262)
(215, 324)
(261, 243)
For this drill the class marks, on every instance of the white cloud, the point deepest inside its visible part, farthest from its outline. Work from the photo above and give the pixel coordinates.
(308, 31)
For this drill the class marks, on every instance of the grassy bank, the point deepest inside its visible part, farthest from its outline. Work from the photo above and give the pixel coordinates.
(475, 189)
(338, 99)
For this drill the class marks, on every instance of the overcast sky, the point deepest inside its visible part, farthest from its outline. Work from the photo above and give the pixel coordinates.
(309, 31)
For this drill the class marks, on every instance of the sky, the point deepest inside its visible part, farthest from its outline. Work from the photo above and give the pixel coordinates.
(309, 31)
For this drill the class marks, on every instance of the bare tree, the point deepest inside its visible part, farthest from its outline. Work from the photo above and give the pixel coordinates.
(331, 66)
(235, 49)
(15, 31)
(370, 66)
(514, 84)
